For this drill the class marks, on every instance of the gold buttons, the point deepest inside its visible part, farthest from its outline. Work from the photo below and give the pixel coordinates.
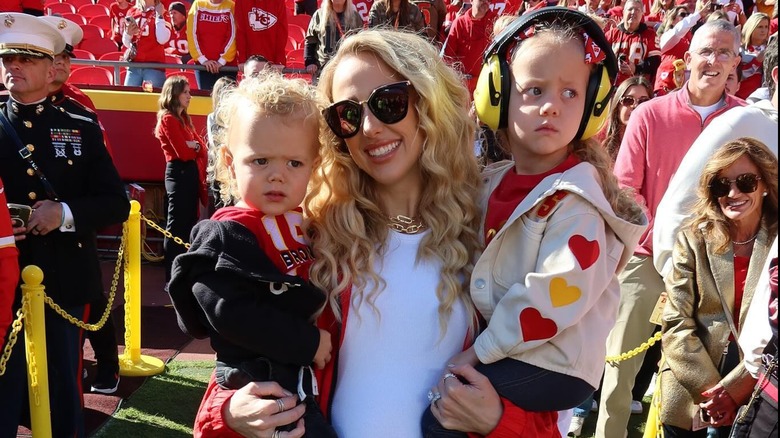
(79, 244)
(32, 196)
(31, 148)
(70, 162)
(27, 124)
(30, 171)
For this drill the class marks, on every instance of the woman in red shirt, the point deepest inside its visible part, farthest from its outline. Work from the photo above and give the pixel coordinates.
(147, 31)
(186, 156)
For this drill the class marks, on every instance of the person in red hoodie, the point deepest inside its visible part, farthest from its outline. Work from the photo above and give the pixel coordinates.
(9, 267)
(469, 35)
(185, 154)
(395, 165)
(147, 32)
(261, 29)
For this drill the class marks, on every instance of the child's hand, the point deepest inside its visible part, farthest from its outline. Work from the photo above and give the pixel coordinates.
(468, 357)
(322, 356)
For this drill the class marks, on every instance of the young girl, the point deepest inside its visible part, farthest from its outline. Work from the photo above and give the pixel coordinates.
(185, 156)
(557, 228)
(244, 281)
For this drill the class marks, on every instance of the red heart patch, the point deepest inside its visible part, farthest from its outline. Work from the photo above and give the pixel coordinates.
(536, 327)
(585, 251)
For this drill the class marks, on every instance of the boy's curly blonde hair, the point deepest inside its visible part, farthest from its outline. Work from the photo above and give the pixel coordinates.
(270, 94)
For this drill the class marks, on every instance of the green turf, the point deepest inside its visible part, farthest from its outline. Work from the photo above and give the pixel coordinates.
(164, 406)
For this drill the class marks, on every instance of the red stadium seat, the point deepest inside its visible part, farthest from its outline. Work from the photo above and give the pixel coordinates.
(298, 33)
(106, 3)
(103, 22)
(294, 56)
(98, 46)
(76, 18)
(291, 44)
(92, 32)
(189, 74)
(91, 76)
(111, 56)
(90, 10)
(78, 3)
(83, 54)
(297, 65)
(59, 8)
(301, 20)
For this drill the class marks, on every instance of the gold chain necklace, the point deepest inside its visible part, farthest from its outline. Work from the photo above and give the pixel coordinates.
(405, 224)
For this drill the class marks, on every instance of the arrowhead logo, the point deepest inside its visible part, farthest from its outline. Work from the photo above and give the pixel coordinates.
(261, 20)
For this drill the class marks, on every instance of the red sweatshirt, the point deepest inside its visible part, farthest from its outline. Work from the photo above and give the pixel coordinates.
(467, 40)
(150, 47)
(9, 267)
(118, 24)
(261, 30)
(212, 32)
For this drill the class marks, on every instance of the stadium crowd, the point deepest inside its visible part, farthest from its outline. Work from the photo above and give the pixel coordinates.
(625, 195)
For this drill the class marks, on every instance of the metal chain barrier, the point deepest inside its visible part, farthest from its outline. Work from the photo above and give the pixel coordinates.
(128, 324)
(107, 311)
(146, 251)
(16, 327)
(615, 360)
(165, 232)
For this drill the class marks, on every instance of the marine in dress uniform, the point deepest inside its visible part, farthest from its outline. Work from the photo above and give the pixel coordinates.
(103, 341)
(63, 171)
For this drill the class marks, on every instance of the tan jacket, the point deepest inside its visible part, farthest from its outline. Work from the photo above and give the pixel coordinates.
(695, 328)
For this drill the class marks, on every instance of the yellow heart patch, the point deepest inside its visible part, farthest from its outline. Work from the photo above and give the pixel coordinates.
(561, 294)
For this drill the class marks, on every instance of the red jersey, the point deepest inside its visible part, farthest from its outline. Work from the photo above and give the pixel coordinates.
(752, 73)
(261, 30)
(9, 267)
(149, 49)
(118, 24)
(363, 7)
(178, 44)
(636, 46)
(212, 35)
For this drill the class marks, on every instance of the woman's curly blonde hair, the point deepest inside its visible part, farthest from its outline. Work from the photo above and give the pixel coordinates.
(269, 94)
(348, 229)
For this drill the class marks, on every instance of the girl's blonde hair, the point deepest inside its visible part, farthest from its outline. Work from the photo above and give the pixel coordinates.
(269, 94)
(616, 128)
(658, 6)
(750, 26)
(220, 86)
(348, 228)
(168, 102)
(622, 201)
(329, 16)
(706, 212)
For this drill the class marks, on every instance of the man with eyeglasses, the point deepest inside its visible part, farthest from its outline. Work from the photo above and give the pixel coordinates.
(758, 120)
(657, 137)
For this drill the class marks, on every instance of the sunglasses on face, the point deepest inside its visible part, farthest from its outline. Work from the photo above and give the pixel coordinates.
(389, 104)
(746, 183)
(682, 15)
(632, 101)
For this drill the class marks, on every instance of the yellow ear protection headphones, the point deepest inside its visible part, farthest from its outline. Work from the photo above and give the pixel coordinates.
(491, 95)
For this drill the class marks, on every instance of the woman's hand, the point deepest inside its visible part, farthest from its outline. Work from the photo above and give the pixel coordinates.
(720, 406)
(473, 406)
(253, 416)
(323, 354)
(212, 67)
(311, 69)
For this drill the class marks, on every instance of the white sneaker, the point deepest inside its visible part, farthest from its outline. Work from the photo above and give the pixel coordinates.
(636, 407)
(594, 407)
(651, 387)
(575, 429)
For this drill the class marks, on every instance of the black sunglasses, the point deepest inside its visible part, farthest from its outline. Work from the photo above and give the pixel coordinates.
(633, 102)
(746, 183)
(682, 14)
(389, 103)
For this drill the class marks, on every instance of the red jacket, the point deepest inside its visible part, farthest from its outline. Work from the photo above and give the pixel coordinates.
(173, 136)
(261, 29)
(467, 40)
(9, 267)
(149, 49)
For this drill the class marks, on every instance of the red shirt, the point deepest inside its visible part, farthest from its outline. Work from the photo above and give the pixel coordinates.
(178, 44)
(149, 50)
(174, 135)
(467, 40)
(9, 267)
(511, 191)
(636, 46)
(118, 24)
(363, 7)
(261, 29)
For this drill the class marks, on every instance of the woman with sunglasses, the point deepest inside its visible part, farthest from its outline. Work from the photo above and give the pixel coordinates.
(393, 225)
(631, 93)
(658, 11)
(675, 31)
(716, 263)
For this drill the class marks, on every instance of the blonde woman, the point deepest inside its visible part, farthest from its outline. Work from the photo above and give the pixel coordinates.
(755, 35)
(334, 20)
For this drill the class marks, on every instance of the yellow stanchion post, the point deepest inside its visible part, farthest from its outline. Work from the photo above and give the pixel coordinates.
(132, 362)
(35, 345)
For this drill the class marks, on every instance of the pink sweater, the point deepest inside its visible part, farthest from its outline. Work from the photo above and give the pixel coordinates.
(657, 137)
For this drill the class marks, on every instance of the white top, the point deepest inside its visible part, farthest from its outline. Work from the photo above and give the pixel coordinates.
(756, 331)
(389, 362)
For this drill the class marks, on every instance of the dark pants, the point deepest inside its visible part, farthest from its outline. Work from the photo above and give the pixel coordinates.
(181, 185)
(207, 80)
(645, 374)
(237, 375)
(103, 341)
(63, 352)
(676, 432)
(527, 386)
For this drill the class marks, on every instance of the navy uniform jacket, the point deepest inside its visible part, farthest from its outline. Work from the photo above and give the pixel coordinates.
(69, 149)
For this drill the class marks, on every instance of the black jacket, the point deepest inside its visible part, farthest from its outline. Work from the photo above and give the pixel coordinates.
(225, 287)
